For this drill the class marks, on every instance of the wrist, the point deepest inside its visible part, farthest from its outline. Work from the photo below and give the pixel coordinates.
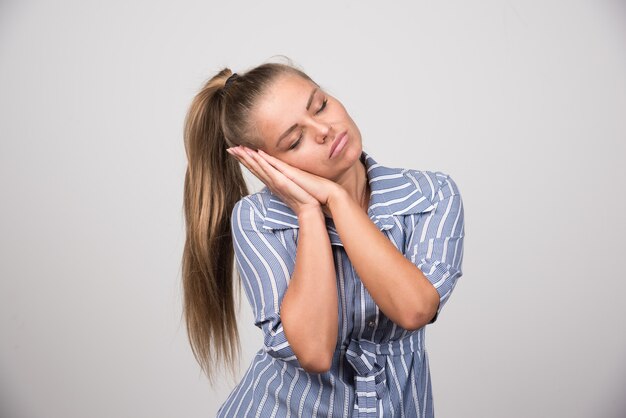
(336, 197)
(310, 212)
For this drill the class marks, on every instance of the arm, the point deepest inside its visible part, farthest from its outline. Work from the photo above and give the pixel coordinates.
(435, 244)
(398, 286)
(309, 309)
(280, 289)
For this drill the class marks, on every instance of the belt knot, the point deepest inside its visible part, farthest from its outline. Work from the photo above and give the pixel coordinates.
(368, 360)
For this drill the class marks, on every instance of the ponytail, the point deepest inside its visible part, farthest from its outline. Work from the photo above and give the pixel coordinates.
(218, 118)
(213, 184)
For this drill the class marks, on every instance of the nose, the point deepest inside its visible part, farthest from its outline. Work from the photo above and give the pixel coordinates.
(322, 131)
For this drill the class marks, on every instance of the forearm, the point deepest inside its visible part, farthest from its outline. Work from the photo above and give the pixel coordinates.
(309, 308)
(397, 286)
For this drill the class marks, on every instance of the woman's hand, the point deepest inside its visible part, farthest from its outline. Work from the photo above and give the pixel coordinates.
(297, 188)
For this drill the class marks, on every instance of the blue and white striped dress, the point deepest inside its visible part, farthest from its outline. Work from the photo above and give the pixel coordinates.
(379, 369)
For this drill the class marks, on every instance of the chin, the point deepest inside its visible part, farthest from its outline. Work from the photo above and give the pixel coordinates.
(354, 153)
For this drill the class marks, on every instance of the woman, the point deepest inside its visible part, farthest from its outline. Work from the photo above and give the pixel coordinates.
(344, 261)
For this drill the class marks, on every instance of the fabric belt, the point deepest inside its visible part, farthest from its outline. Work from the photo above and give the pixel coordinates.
(368, 361)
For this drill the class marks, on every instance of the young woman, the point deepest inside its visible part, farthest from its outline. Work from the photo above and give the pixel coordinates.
(343, 260)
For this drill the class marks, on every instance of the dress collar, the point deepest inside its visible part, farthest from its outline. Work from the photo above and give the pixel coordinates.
(393, 191)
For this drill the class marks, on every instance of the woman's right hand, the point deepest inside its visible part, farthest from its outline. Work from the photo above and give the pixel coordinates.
(292, 194)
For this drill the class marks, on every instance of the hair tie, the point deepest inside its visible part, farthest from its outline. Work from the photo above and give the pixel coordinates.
(230, 79)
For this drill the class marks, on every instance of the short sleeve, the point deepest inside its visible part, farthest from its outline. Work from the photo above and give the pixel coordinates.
(435, 243)
(265, 267)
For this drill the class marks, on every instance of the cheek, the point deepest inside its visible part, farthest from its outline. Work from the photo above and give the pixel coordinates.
(298, 161)
(339, 108)
(308, 166)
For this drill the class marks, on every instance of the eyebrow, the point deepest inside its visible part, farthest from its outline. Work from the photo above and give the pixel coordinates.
(288, 131)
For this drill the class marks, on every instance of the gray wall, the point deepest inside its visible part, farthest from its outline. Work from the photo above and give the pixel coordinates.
(522, 102)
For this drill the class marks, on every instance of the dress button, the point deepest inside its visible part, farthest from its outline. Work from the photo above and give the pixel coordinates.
(371, 323)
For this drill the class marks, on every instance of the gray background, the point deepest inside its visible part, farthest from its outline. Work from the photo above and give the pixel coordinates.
(522, 102)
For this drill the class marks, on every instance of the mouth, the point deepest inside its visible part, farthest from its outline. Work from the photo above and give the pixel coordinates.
(336, 142)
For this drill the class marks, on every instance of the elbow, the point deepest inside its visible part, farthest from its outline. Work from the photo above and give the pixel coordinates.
(318, 359)
(417, 320)
(317, 363)
(314, 352)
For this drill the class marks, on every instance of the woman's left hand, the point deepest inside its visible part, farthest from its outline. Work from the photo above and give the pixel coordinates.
(317, 186)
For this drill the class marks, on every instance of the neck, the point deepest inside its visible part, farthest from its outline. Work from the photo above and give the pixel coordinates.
(360, 191)
(356, 183)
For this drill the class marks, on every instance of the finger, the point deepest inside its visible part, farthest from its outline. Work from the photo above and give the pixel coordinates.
(252, 157)
(276, 180)
(313, 184)
(266, 173)
(273, 160)
(236, 153)
(288, 170)
(305, 181)
(247, 161)
(269, 169)
(280, 182)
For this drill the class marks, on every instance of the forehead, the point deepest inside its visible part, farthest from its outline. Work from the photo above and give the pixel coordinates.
(280, 105)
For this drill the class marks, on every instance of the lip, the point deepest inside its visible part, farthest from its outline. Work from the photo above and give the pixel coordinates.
(336, 142)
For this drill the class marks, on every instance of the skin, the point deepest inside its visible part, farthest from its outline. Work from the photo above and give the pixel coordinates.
(313, 186)
(284, 105)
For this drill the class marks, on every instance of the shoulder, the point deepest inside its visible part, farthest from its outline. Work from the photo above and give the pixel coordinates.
(431, 184)
(435, 185)
(248, 215)
(255, 202)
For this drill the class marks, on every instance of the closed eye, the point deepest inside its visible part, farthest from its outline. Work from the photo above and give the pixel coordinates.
(297, 142)
(323, 106)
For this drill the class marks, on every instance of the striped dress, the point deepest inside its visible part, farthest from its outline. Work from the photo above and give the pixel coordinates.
(378, 369)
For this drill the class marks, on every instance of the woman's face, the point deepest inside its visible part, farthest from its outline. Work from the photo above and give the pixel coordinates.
(299, 123)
